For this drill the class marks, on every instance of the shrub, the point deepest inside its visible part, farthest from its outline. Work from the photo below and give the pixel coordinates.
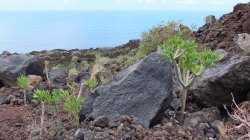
(75, 53)
(73, 71)
(134, 58)
(132, 52)
(121, 58)
(56, 67)
(207, 19)
(102, 60)
(74, 59)
(86, 65)
(160, 33)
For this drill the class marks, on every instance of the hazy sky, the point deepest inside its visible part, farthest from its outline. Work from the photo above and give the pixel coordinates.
(208, 5)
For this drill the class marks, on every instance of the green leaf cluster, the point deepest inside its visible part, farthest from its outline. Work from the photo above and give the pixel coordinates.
(41, 95)
(54, 98)
(184, 53)
(22, 82)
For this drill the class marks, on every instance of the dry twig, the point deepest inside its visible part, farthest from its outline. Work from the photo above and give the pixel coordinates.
(240, 114)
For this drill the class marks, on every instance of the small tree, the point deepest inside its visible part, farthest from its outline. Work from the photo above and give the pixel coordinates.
(23, 83)
(41, 96)
(188, 63)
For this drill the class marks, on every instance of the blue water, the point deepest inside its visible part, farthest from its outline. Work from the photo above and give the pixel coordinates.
(26, 31)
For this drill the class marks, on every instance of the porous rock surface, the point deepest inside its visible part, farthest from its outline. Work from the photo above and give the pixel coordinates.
(14, 65)
(215, 85)
(220, 34)
(142, 90)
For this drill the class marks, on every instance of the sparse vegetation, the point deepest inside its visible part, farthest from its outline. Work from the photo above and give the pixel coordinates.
(160, 33)
(102, 60)
(86, 65)
(76, 53)
(73, 71)
(56, 67)
(74, 59)
(134, 58)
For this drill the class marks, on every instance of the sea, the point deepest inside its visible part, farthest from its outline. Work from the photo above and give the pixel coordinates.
(26, 31)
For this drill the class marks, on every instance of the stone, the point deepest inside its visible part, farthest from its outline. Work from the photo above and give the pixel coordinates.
(215, 85)
(58, 77)
(6, 53)
(242, 41)
(204, 126)
(83, 76)
(222, 53)
(12, 66)
(175, 103)
(29, 96)
(126, 137)
(142, 90)
(101, 121)
(34, 103)
(34, 80)
(206, 115)
(220, 34)
(219, 127)
(79, 135)
(4, 101)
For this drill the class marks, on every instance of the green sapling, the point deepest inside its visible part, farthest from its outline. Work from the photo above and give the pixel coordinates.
(41, 96)
(72, 103)
(53, 100)
(92, 83)
(23, 83)
(188, 63)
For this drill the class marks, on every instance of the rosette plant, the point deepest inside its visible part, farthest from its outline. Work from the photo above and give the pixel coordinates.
(23, 83)
(188, 63)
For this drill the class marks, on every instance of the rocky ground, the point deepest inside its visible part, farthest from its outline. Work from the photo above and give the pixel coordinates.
(23, 122)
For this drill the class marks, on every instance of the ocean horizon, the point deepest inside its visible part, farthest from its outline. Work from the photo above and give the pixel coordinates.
(26, 31)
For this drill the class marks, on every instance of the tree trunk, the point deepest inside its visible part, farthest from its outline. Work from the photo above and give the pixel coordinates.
(183, 103)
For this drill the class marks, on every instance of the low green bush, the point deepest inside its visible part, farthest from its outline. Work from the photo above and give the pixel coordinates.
(160, 33)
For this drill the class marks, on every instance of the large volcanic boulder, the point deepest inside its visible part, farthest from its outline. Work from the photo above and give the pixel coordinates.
(221, 33)
(12, 66)
(143, 90)
(215, 86)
